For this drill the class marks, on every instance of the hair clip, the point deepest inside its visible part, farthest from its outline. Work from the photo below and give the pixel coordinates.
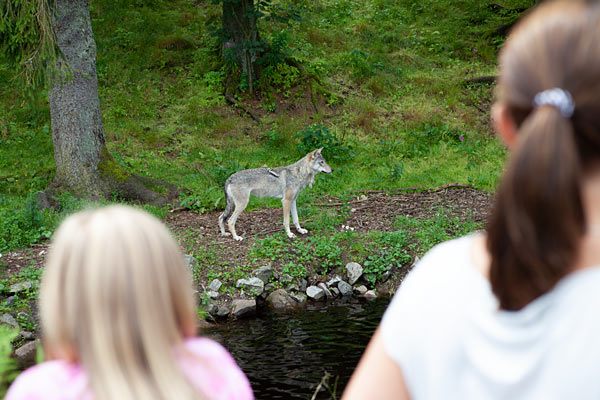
(558, 98)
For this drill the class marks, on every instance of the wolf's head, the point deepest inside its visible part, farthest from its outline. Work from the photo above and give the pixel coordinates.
(317, 162)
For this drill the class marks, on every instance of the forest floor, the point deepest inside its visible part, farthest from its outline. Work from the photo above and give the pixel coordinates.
(368, 211)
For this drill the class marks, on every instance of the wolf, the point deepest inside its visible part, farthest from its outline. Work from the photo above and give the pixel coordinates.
(284, 183)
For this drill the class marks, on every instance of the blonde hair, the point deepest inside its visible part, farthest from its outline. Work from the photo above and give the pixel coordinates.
(117, 297)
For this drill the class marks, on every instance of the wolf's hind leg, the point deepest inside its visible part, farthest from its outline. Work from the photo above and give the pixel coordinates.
(240, 206)
(295, 219)
(222, 225)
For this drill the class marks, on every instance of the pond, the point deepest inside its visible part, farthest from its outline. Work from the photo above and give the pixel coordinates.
(286, 355)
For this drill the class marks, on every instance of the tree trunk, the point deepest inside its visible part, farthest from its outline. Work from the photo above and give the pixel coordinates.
(83, 165)
(239, 21)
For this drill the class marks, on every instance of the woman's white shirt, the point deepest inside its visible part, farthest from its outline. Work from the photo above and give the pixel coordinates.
(445, 331)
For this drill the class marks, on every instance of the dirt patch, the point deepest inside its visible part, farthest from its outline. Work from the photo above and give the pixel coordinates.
(366, 211)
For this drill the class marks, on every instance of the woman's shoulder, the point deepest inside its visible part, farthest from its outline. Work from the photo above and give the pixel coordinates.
(210, 367)
(50, 380)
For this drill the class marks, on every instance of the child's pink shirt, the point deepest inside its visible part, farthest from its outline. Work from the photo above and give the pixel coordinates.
(215, 374)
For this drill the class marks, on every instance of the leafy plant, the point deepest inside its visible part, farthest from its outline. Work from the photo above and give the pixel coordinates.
(315, 136)
(8, 366)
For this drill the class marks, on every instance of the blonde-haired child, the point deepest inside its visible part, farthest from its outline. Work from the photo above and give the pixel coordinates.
(118, 318)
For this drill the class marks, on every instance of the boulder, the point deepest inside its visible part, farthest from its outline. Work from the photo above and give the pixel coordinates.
(26, 354)
(335, 291)
(323, 286)
(334, 281)
(223, 311)
(263, 273)
(299, 297)
(243, 307)
(280, 299)
(215, 285)
(21, 286)
(253, 286)
(345, 288)
(315, 293)
(7, 319)
(191, 262)
(354, 271)
(360, 290)
(370, 295)
(212, 294)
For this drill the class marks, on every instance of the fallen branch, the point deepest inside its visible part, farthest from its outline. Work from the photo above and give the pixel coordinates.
(407, 189)
(340, 203)
(480, 80)
(451, 186)
(231, 100)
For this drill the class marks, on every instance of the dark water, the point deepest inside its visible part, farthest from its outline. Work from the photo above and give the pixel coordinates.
(286, 355)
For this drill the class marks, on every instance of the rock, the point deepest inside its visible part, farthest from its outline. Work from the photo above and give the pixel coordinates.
(299, 297)
(27, 335)
(355, 271)
(360, 290)
(7, 319)
(325, 290)
(303, 285)
(385, 276)
(190, 262)
(293, 288)
(269, 287)
(370, 295)
(202, 324)
(212, 308)
(10, 301)
(26, 354)
(243, 307)
(21, 286)
(315, 293)
(286, 278)
(280, 299)
(215, 285)
(223, 311)
(263, 273)
(345, 288)
(212, 294)
(334, 281)
(335, 291)
(252, 286)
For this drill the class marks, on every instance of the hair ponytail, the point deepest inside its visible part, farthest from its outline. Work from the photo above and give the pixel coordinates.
(538, 221)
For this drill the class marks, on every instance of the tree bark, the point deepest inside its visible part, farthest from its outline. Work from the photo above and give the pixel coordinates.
(83, 165)
(239, 21)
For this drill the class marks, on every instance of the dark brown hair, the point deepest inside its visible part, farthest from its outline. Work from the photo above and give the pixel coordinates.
(538, 220)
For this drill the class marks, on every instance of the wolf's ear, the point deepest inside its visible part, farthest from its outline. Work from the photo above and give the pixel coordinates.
(318, 151)
(312, 155)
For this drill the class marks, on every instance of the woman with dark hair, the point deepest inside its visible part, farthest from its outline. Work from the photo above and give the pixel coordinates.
(514, 313)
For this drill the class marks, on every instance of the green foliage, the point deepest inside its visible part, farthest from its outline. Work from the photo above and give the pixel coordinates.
(426, 233)
(24, 225)
(386, 250)
(316, 136)
(28, 41)
(293, 269)
(8, 366)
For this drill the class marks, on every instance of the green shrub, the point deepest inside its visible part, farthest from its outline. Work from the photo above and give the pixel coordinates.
(24, 225)
(8, 366)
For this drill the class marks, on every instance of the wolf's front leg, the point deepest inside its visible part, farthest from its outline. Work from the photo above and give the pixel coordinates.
(286, 217)
(295, 219)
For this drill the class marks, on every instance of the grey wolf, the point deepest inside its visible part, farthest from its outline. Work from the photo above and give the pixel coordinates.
(284, 183)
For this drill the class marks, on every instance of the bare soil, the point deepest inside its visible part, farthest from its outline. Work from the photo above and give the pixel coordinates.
(369, 210)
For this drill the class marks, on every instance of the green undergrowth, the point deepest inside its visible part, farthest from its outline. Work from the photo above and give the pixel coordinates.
(329, 248)
(393, 109)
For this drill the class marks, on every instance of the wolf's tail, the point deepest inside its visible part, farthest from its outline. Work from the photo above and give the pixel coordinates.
(229, 206)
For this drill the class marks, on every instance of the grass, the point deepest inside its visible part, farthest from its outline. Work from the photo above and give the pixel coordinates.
(391, 92)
